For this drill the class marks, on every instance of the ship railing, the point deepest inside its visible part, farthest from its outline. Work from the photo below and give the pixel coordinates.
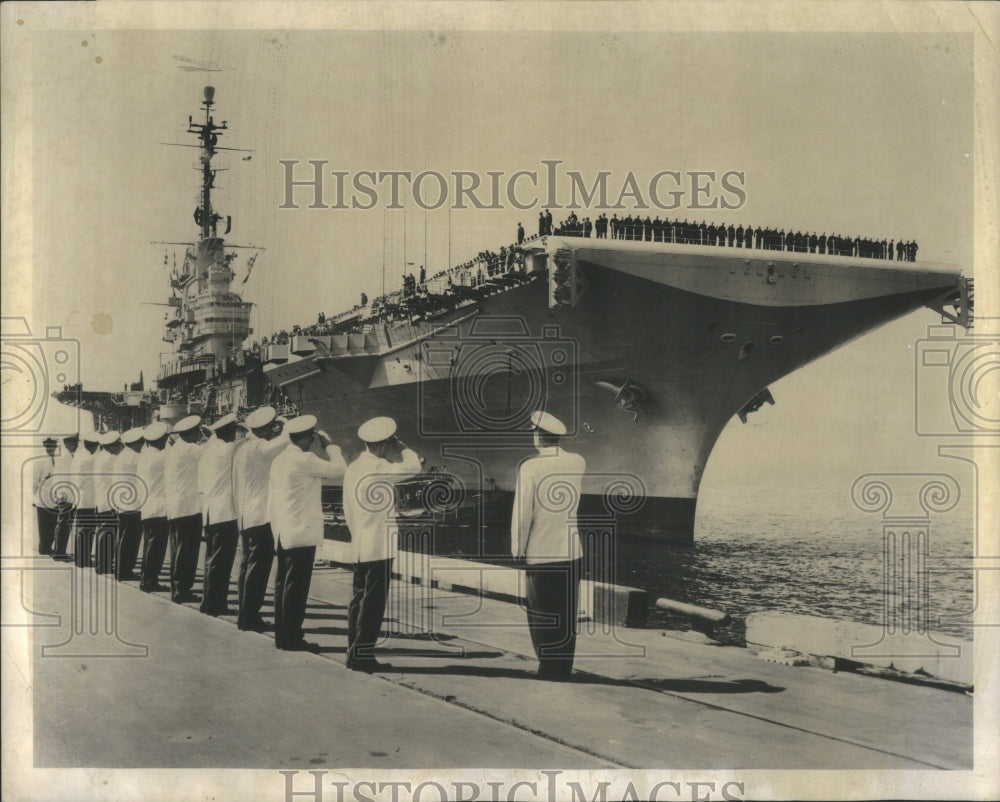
(378, 311)
(373, 335)
(183, 366)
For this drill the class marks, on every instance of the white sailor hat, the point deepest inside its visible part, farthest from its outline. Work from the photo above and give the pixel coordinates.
(303, 423)
(155, 431)
(187, 424)
(224, 421)
(377, 429)
(260, 417)
(132, 436)
(110, 438)
(547, 423)
(92, 437)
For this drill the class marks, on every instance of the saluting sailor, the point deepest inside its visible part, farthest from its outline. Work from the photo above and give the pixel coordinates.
(150, 470)
(104, 482)
(369, 510)
(215, 481)
(129, 503)
(251, 472)
(545, 537)
(295, 509)
(46, 510)
(183, 507)
(85, 519)
(66, 499)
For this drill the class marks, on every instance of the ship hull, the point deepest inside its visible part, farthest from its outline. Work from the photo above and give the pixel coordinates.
(657, 351)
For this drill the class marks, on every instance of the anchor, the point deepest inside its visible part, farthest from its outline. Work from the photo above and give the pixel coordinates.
(755, 403)
(629, 396)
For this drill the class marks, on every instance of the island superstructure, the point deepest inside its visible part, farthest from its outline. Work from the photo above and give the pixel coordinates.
(208, 370)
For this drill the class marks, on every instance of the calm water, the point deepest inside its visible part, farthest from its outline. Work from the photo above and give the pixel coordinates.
(816, 555)
(800, 553)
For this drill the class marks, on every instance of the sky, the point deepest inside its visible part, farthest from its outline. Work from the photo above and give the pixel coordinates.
(859, 133)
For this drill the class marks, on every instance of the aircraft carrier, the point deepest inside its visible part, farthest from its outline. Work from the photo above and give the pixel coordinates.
(646, 349)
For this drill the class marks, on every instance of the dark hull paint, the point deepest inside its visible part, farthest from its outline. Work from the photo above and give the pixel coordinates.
(464, 401)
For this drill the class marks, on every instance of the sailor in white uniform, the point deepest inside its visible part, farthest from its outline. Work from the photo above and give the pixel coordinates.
(128, 504)
(105, 487)
(150, 469)
(369, 507)
(183, 507)
(295, 509)
(215, 483)
(46, 508)
(251, 472)
(544, 535)
(85, 521)
(67, 495)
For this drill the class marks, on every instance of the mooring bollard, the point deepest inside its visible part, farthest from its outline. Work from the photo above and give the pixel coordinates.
(703, 619)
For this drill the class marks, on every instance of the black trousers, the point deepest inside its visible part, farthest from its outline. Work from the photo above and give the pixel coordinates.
(64, 525)
(255, 568)
(85, 522)
(107, 534)
(154, 532)
(291, 590)
(185, 543)
(220, 553)
(127, 546)
(367, 609)
(553, 590)
(46, 519)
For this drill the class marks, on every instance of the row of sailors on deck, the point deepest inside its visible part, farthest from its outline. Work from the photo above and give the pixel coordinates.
(262, 490)
(692, 233)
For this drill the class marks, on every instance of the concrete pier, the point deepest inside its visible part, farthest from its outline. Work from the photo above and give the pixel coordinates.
(461, 692)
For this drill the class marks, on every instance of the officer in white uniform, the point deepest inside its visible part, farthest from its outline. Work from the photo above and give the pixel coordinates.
(150, 469)
(66, 496)
(369, 507)
(184, 507)
(545, 537)
(295, 508)
(218, 511)
(251, 473)
(128, 503)
(85, 521)
(106, 484)
(46, 509)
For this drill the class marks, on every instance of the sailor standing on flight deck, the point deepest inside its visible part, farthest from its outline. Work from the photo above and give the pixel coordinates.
(104, 480)
(544, 535)
(85, 519)
(295, 508)
(369, 502)
(128, 503)
(215, 483)
(150, 470)
(251, 472)
(183, 507)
